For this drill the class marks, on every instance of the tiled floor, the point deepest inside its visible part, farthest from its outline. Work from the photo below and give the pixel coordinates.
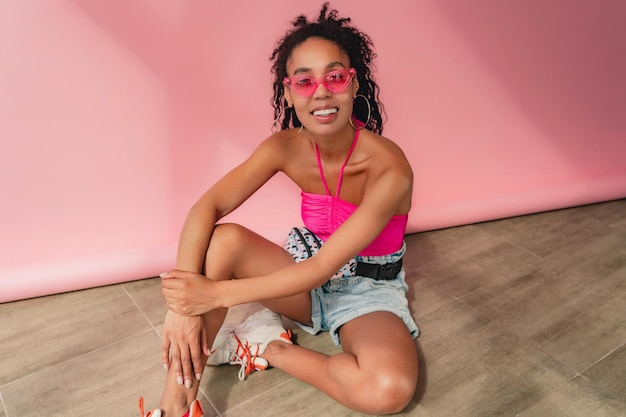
(523, 316)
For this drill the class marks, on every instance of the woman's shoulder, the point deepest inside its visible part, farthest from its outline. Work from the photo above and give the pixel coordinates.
(384, 150)
(382, 141)
(280, 148)
(284, 140)
(276, 141)
(388, 170)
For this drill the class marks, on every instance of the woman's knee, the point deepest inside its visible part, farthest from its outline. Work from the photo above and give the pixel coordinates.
(237, 252)
(224, 249)
(227, 234)
(388, 392)
(235, 238)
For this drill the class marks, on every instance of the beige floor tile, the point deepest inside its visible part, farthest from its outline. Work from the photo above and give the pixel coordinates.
(2, 413)
(597, 261)
(107, 381)
(224, 390)
(476, 368)
(424, 296)
(610, 374)
(576, 296)
(146, 294)
(581, 339)
(592, 321)
(292, 398)
(543, 233)
(297, 399)
(43, 332)
(420, 245)
(611, 213)
(465, 259)
(578, 398)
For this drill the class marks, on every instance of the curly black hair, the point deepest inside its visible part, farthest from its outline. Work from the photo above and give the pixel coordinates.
(357, 45)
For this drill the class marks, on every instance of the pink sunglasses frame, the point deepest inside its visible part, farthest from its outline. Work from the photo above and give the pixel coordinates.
(290, 81)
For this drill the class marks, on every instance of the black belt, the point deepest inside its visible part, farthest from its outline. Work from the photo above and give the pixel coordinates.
(378, 271)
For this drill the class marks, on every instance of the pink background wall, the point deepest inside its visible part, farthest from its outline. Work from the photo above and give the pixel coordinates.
(115, 116)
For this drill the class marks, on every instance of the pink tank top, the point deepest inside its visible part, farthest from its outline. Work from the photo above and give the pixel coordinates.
(323, 214)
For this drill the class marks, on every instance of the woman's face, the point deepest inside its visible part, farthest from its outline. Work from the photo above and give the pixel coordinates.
(324, 112)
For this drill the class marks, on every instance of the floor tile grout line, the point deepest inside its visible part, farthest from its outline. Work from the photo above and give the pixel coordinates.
(603, 358)
(426, 410)
(524, 249)
(4, 408)
(152, 326)
(599, 388)
(137, 307)
(290, 379)
(206, 397)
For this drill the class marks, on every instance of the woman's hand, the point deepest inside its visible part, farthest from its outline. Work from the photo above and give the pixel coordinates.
(184, 343)
(187, 293)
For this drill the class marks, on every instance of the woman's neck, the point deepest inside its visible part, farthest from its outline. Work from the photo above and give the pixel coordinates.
(334, 148)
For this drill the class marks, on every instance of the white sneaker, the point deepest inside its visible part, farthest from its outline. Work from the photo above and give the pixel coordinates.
(195, 410)
(255, 334)
(242, 344)
(230, 349)
(224, 347)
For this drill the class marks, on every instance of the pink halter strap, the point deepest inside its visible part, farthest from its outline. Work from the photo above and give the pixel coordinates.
(319, 164)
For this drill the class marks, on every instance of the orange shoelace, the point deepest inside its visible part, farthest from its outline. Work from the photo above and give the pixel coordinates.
(246, 356)
(141, 408)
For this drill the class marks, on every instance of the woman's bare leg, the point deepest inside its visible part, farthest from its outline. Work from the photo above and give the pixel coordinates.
(375, 374)
(234, 252)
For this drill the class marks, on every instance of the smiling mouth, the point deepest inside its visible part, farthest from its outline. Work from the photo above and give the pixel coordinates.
(325, 112)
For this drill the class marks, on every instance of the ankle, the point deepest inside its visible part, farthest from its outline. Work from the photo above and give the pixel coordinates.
(173, 412)
(275, 349)
(175, 408)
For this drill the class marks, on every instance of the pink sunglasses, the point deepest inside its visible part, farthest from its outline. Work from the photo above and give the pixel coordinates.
(335, 81)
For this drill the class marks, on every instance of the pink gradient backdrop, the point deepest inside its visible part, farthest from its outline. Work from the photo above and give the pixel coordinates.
(115, 116)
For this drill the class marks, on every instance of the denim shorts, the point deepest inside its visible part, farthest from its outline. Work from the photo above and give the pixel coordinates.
(344, 298)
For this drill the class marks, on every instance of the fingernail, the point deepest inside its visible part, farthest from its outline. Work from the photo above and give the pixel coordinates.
(198, 376)
(188, 383)
(179, 380)
(163, 274)
(165, 366)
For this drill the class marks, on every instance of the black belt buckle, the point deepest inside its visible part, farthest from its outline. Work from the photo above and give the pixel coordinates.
(378, 271)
